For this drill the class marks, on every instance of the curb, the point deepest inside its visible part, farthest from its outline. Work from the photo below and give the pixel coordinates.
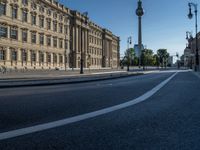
(46, 82)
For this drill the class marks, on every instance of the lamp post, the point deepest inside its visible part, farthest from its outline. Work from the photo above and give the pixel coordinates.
(129, 41)
(139, 13)
(190, 15)
(85, 14)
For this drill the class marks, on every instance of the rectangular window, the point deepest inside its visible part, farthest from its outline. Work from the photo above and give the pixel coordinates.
(3, 31)
(54, 42)
(14, 55)
(33, 56)
(49, 58)
(24, 55)
(61, 58)
(41, 22)
(54, 58)
(61, 28)
(55, 27)
(25, 2)
(41, 9)
(61, 18)
(41, 57)
(49, 12)
(49, 24)
(48, 40)
(41, 39)
(60, 43)
(13, 33)
(24, 16)
(33, 20)
(66, 29)
(2, 55)
(14, 12)
(24, 36)
(2, 9)
(33, 37)
(54, 15)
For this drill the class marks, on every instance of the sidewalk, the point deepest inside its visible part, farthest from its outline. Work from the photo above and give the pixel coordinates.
(48, 73)
(52, 78)
(44, 78)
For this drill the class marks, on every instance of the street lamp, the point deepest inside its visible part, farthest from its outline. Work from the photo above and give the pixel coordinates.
(129, 42)
(190, 16)
(85, 14)
(139, 13)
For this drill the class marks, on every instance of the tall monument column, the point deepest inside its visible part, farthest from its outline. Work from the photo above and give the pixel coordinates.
(139, 13)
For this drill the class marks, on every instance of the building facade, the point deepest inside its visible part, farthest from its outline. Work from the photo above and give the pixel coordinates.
(43, 34)
(190, 52)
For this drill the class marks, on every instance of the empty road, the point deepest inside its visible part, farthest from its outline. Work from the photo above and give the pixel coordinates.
(148, 112)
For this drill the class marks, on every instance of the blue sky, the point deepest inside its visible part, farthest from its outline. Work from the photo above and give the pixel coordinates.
(164, 22)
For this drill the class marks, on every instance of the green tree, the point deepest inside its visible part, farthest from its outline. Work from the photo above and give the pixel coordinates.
(129, 58)
(147, 58)
(163, 56)
(156, 60)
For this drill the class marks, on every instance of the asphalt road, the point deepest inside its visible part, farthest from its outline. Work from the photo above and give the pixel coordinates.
(170, 119)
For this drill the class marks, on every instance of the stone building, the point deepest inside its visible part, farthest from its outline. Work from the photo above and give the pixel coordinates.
(44, 34)
(190, 52)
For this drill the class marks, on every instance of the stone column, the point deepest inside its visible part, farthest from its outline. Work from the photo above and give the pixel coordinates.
(8, 32)
(78, 40)
(77, 47)
(73, 39)
(86, 45)
(28, 57)
(57, 55)
(8, 10)
(37, 58)
(45, 40)
(45, 59)
(20, 34)
(8, 54)
(19, 57)
(8, 58)
(52, 61)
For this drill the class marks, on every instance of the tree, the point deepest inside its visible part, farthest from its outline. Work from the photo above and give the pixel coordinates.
(156, 60)
(163, 56)
(129, 57)
(147, 58)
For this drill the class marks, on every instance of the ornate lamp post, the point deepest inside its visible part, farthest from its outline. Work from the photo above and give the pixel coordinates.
(190, 15)
(82, 20)
(129, 41)
(140, 13)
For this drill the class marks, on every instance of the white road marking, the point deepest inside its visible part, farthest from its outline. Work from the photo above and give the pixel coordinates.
(50, 125)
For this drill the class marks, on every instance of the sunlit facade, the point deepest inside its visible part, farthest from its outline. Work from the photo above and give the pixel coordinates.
(43, 34)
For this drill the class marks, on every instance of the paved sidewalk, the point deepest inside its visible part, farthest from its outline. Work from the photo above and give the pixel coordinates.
(32, 74)
(68, 79)
(44, 78)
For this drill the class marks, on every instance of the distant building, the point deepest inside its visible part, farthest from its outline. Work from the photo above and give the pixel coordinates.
(190, 51)
(44, 34)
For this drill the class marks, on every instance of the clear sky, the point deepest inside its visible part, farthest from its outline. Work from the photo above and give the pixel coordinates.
(164, 22)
